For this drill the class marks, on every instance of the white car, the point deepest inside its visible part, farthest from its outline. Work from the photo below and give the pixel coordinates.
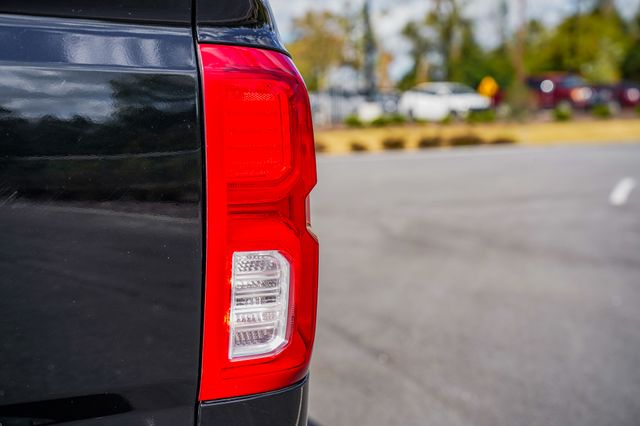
(436, 101)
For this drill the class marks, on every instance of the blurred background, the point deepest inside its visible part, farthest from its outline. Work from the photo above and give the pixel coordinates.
(477, 209)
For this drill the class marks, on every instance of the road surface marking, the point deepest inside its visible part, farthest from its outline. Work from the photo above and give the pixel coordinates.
(620, 194)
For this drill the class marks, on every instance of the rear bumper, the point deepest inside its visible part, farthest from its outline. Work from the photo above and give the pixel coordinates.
(285, 407)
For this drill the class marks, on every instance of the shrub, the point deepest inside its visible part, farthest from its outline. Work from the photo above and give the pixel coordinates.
(352, 121)
(386, 120)
(430, 142)
(503, 141)
(638, 110)
(602, 111)
(380, 122)
(321, 147)
(447, 120)
(485, 116)
(358, 147)
(393, 143)
(397, 119)
(562, 113)
(465, 140)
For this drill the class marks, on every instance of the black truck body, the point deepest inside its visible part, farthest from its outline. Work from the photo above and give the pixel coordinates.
(102, 212)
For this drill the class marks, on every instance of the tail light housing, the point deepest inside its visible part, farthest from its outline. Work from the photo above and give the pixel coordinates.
(261, 259)
(633, 95)
(581, 94)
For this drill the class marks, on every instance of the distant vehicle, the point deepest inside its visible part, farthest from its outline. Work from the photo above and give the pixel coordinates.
(561, 89)
(436, 101)
(625, 94)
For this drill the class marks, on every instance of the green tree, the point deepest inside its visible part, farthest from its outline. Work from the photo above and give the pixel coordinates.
(414, 32)
(472, 63)
(320, 40)
(447, 22)
(593, 44)
(444, 33)
(631, 63)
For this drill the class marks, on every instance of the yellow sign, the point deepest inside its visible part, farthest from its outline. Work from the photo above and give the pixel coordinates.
(488, 87)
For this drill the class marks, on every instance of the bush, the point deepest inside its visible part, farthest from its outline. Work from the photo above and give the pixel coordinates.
(503, 141)
(602, 111)
(465, 140)
(562, 113)
(358, 147)
(638, 110)
(485, 116)
(393, 144)
(387, 120)
(447, 120)
(352, 121)
(430, 142)
(397, 119)
(380, 122)
(321, 147)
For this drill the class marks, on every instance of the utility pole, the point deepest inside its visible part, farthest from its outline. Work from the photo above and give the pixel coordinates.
(503, 23)
(574, 46)
(605, 7)
(521, 39)
(370, 53)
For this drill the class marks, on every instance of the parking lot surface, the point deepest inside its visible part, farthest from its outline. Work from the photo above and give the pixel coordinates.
(487, 286)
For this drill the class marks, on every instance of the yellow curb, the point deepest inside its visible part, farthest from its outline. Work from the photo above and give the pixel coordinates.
(339, 141)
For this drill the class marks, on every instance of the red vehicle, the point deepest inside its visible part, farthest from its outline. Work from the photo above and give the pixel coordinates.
(625, 94)
(561, 89)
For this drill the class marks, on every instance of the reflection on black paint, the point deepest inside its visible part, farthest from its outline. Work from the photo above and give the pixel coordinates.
(100, 223)
(145, 148)
(238, 22)
(236, 13)
(64, 410)
(62, 42)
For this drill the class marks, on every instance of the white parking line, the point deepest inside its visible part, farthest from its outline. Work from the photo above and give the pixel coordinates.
(620, 194)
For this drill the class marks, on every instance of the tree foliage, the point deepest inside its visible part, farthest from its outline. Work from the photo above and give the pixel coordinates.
(594, 41)
(631, 63)
(319, 44)
(421, 45)
(593, 44)
(451, 30)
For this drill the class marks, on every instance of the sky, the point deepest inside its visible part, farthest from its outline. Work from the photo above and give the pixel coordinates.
(390, 16)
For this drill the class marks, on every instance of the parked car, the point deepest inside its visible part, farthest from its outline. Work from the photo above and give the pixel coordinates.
(625, 94)
(156, 266)
(561, 89)
(436, 101)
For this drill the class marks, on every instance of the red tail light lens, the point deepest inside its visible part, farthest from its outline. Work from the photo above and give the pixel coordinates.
(261, 259)
(581, 94)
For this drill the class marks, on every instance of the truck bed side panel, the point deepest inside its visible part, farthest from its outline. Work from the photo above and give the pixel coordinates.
(100, 223)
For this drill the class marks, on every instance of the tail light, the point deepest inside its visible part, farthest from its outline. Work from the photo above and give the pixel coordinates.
(259, 304)
(633, 95)
(261, 259)
(581, 94)
(547, 86)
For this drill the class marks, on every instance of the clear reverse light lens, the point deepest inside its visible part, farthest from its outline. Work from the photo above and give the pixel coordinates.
(259, 303)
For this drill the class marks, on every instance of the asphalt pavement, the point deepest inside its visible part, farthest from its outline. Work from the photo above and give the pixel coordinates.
(486, 286)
